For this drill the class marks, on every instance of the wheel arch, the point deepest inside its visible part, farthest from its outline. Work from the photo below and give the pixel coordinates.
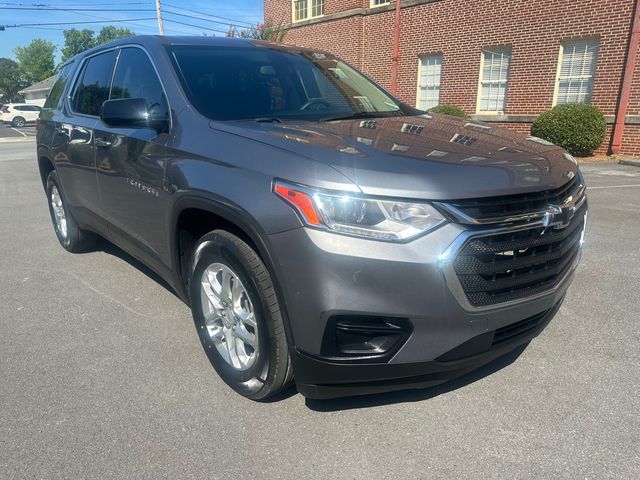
(45, 166)
(194, 215)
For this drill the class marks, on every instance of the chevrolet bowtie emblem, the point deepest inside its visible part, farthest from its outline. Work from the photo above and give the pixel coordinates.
(558, 217)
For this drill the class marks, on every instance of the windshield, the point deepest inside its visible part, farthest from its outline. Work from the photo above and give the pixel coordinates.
(232, 83)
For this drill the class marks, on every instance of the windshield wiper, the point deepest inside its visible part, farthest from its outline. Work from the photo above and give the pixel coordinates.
(267, 120)
(356, 115)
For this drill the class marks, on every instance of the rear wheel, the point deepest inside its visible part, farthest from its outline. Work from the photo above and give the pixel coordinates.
(18, 122)
(236, 313)
(71, 237)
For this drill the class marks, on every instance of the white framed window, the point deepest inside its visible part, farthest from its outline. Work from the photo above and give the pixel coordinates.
(377, 3)
(429, 74)
(576, 70)
(305, 9)
(494, 76)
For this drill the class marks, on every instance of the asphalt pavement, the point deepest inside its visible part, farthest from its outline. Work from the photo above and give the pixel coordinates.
(102, 374)
(9, 133)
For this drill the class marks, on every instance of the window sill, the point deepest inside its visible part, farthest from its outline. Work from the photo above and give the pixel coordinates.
(308, 19)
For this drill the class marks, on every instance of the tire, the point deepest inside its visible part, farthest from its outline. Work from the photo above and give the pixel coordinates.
(259, 372)
(71, 237)
(18, 122)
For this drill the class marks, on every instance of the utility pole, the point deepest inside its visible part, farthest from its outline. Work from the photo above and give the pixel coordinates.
(159, 14)
(395, 54)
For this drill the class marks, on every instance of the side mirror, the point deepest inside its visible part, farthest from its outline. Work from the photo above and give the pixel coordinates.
(131, 113)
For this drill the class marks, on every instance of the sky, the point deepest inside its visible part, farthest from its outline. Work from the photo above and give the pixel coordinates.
(208, 12)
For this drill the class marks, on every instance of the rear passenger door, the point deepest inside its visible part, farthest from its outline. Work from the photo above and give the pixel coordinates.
(73, 146)
(45, 134)
(131, 161)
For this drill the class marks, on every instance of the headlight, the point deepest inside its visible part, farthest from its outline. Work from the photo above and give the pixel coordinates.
(350, 214)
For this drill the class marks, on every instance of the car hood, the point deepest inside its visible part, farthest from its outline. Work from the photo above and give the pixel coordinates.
(428, 157)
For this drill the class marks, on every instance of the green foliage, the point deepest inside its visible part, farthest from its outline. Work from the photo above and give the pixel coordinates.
(76, 41)
(36, 60)
(577, 127)
(267, 31)
(110, 32)
(453, 110)
(10, 81)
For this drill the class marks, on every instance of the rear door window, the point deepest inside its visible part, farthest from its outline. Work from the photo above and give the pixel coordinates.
(92, 90)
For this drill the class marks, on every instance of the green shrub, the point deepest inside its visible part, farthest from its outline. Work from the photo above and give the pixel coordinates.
(453, 110)
(577, 127)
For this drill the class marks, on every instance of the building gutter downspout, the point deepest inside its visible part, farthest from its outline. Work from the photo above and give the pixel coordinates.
(395, 53)
(625, 91)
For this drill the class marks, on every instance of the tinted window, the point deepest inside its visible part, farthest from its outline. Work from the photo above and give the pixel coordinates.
(136, 78)
(227, 83)
(93, 88)
(58, 87)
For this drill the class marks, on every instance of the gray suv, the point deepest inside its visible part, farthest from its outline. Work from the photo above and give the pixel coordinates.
(320, 229)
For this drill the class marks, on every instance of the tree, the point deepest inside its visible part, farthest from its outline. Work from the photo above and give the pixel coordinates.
(10, 81)
(76, 41)
(36, 60)
(268, 31)
(110, 32)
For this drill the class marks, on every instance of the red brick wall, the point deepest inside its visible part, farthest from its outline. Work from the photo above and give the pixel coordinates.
(280, 10)
(460, 29)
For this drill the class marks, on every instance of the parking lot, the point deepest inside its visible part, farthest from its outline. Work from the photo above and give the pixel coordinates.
(8, 132)
(102, 374)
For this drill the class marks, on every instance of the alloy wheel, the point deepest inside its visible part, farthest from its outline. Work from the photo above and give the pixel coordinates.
(229, 316)
(59, 214)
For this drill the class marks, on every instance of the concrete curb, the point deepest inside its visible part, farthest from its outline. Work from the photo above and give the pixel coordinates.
(18, 139)
(633, 163)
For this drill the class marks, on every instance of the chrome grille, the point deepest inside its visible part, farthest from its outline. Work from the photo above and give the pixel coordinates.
(503, 267)
(485, 210)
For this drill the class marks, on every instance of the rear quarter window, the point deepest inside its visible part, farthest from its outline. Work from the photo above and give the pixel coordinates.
(53, 99)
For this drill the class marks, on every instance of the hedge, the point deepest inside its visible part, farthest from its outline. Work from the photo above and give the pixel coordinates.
(577, 127)
(453, 110)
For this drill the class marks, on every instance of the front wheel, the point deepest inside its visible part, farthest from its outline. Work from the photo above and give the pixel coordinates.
(236, 313)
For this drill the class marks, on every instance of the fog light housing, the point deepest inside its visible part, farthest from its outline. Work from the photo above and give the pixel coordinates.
(360, 337)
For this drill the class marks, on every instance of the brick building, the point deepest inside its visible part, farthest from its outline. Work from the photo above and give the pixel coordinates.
(501, 61)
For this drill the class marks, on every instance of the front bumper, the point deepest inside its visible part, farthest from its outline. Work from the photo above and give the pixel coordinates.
(322, 275)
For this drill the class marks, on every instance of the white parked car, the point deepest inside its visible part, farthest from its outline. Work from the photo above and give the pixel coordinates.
(19, 114)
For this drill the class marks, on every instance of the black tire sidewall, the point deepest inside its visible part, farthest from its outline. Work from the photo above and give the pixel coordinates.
(16, 122)
(218, 249)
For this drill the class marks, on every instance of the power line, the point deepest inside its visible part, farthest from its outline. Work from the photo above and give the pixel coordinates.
(195, 26)
(76, 23)
(88, 15)
(229, 22)
(60, 9)
(53, 5)
(235, 22)
(201, 19)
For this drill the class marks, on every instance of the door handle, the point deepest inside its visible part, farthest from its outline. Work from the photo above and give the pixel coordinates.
(102, 142)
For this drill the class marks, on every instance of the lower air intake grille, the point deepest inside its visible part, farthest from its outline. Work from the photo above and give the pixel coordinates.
(518, 329)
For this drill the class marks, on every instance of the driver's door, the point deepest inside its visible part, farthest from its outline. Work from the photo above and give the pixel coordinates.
(130, 162)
